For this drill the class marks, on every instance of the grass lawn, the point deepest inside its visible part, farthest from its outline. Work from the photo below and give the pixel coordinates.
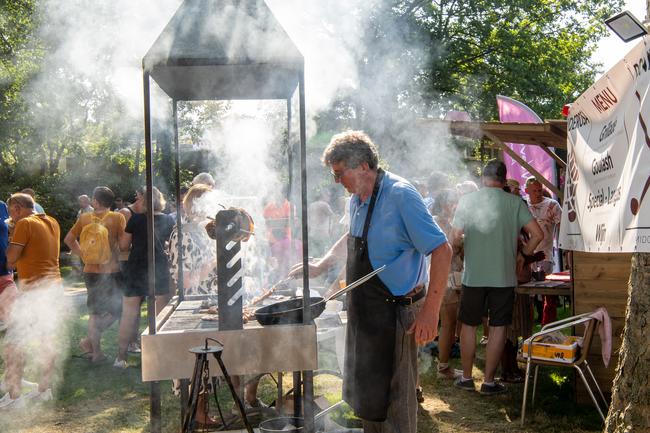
(100, 398)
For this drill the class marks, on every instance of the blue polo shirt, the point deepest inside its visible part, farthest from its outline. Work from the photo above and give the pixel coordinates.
(4, 233)
(401, 234)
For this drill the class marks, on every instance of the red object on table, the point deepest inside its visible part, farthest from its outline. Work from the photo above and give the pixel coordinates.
(564, 276)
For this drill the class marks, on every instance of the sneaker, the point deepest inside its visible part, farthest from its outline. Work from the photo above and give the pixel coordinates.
(449, 373)
(4, 387)
(512, 378)
(418, 394)
(36, 395)
(6, 402)
(134, 347)
(467, 385)
(45, 395)
(120, 363)
(495, 389)
(176, 387)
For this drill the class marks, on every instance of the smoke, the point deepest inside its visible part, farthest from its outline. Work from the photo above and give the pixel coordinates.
(98, 48)
(93, 71)
(100, 44)
(330, 40)
(37, 328)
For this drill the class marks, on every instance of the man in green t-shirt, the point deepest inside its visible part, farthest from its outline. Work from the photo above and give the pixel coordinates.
(487, 225)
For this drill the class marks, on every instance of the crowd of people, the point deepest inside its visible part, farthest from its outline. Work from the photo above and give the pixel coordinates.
(453, 256)
(111, 241)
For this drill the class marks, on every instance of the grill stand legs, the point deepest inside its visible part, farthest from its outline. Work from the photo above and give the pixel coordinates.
(201, 371)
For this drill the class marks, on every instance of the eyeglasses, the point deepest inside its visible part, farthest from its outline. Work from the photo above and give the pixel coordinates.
(338, 176)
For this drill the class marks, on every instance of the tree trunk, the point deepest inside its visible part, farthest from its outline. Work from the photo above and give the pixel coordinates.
(630, 407)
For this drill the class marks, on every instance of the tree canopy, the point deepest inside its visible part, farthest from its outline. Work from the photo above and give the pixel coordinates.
(468, 51)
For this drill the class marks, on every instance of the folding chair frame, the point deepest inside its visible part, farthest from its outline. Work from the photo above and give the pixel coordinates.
(581, 365)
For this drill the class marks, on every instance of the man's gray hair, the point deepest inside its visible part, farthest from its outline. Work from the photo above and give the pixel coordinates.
(352, 148)
(21, 199)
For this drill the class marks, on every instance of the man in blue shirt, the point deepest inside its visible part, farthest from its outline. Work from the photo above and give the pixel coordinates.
(393, 312)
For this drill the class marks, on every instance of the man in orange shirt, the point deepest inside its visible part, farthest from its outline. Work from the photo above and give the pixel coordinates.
(34, 253)
(101, 276)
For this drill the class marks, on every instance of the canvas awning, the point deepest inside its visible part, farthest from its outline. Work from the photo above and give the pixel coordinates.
(551, 133)
(547, 135)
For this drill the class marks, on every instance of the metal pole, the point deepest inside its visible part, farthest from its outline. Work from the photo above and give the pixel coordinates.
(289, 151)
(154, 401)
(184, 383)
(290, 224)
(308, 376)
(179, 205)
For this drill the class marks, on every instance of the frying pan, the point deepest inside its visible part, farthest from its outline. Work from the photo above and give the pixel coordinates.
(290, 311)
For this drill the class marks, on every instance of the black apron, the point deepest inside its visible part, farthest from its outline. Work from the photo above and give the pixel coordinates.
(370, 338)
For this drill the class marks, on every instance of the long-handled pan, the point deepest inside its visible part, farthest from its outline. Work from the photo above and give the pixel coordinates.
(290, 311)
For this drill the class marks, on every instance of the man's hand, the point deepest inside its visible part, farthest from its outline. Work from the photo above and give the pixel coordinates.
(425, 327)
(71, 241)
(315, 269)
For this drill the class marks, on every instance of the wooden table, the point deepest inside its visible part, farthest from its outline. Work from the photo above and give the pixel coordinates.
(523, 309)
(545, 287)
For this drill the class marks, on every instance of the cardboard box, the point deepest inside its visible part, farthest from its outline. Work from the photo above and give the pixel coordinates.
(565, 352)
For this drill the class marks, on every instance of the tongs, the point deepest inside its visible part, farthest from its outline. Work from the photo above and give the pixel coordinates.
(352, 285)
(345, 289)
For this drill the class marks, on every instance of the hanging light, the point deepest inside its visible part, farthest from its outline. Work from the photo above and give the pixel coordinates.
(626, 26)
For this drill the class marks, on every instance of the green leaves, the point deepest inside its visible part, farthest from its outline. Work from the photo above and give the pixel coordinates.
(534, 50)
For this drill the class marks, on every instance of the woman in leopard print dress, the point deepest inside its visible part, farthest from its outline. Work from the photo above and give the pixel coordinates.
(199, 255)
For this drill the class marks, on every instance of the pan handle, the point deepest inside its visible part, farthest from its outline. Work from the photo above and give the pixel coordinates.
(354, 284)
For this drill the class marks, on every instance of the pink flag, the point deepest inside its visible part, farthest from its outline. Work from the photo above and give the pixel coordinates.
(511, 110)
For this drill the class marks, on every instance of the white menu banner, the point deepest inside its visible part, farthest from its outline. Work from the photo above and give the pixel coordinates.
(606, 205)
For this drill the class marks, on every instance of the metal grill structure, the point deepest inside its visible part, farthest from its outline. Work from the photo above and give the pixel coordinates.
(225, 50)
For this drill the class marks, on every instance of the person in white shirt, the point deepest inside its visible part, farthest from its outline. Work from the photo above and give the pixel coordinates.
(548, 214)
